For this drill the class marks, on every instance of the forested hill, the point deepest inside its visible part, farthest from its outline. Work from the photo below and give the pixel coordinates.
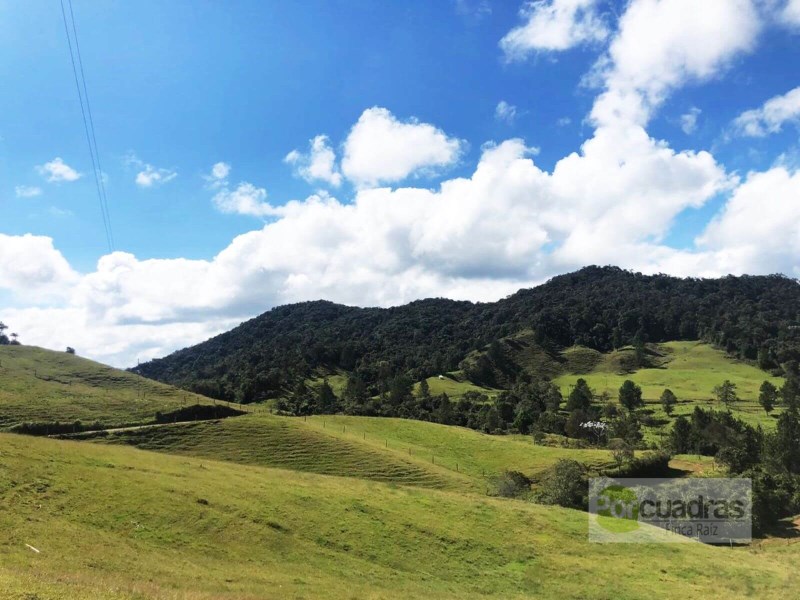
(752, 317)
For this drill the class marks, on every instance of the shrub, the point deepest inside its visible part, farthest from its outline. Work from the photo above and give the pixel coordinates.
(565, 484)
(512, 484)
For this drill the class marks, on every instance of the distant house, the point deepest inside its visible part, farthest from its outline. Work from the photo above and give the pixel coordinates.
(441, 376)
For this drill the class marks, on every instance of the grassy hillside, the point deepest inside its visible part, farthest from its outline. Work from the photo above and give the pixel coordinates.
(43, 385)
(472, 453)
(115, 522)
(290, 443)
(690, 369)
(455, 385)
(390, 450)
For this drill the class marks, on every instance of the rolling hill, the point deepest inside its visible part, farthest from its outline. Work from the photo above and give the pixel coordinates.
(82, 520)
(267, 506)
(397, 451)
(289, 443)
(43, 386)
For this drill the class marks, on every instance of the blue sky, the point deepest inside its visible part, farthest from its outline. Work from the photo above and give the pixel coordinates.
(470, 148)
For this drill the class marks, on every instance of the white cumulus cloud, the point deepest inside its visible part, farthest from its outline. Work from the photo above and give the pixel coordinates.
(505, 112)
(770, 117)
(791, 12)
(57, 170)
(31, 267)
(382, 149)
(658, 49)
(318, 164)
(689, 120)
(220, 171)
(149, 175)
(244, 199)
(552, 25)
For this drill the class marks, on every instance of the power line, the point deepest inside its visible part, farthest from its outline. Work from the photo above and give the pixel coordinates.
(88, 124)
(91, 124)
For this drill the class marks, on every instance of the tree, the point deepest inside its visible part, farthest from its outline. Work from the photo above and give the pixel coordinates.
(767, 396)
(630, 395)
(491, 422)
(627, 427)
(764, 360)
(400, 390)
(574, 425)
(356, 397)
(550, 422)
(580, 398)
(512, 484)
(621, 451)
(680, 436)
(742, 450)
(443, 413)
(785, 443)
(726, 393)
(639, 349)
(610, 410)
(668, 401)
(790, 392)
(326, 399)
(564, 484)
(299, 402)
(551, 395)
(525, 416)
(424, 389)
(3, 338)
(70, 350)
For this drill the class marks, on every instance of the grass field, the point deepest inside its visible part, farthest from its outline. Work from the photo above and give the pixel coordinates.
(470, 452)
(45, 386)
(391, 450)
(117, 522)
(263, 506)
(291, 443)
(454, 386)
(689, 369)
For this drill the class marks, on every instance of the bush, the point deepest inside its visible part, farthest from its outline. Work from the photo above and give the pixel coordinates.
(565, 484)
(512, 484)
(651, 464)
(54, 427)
(198, 412)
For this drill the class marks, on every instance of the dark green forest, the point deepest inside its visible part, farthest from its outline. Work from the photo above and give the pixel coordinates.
(751, 317)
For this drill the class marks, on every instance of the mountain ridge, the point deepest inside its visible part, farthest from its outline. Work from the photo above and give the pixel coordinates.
(598, 307)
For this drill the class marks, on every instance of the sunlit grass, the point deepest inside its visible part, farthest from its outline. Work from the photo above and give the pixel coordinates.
(116, 522)
(45, 386)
